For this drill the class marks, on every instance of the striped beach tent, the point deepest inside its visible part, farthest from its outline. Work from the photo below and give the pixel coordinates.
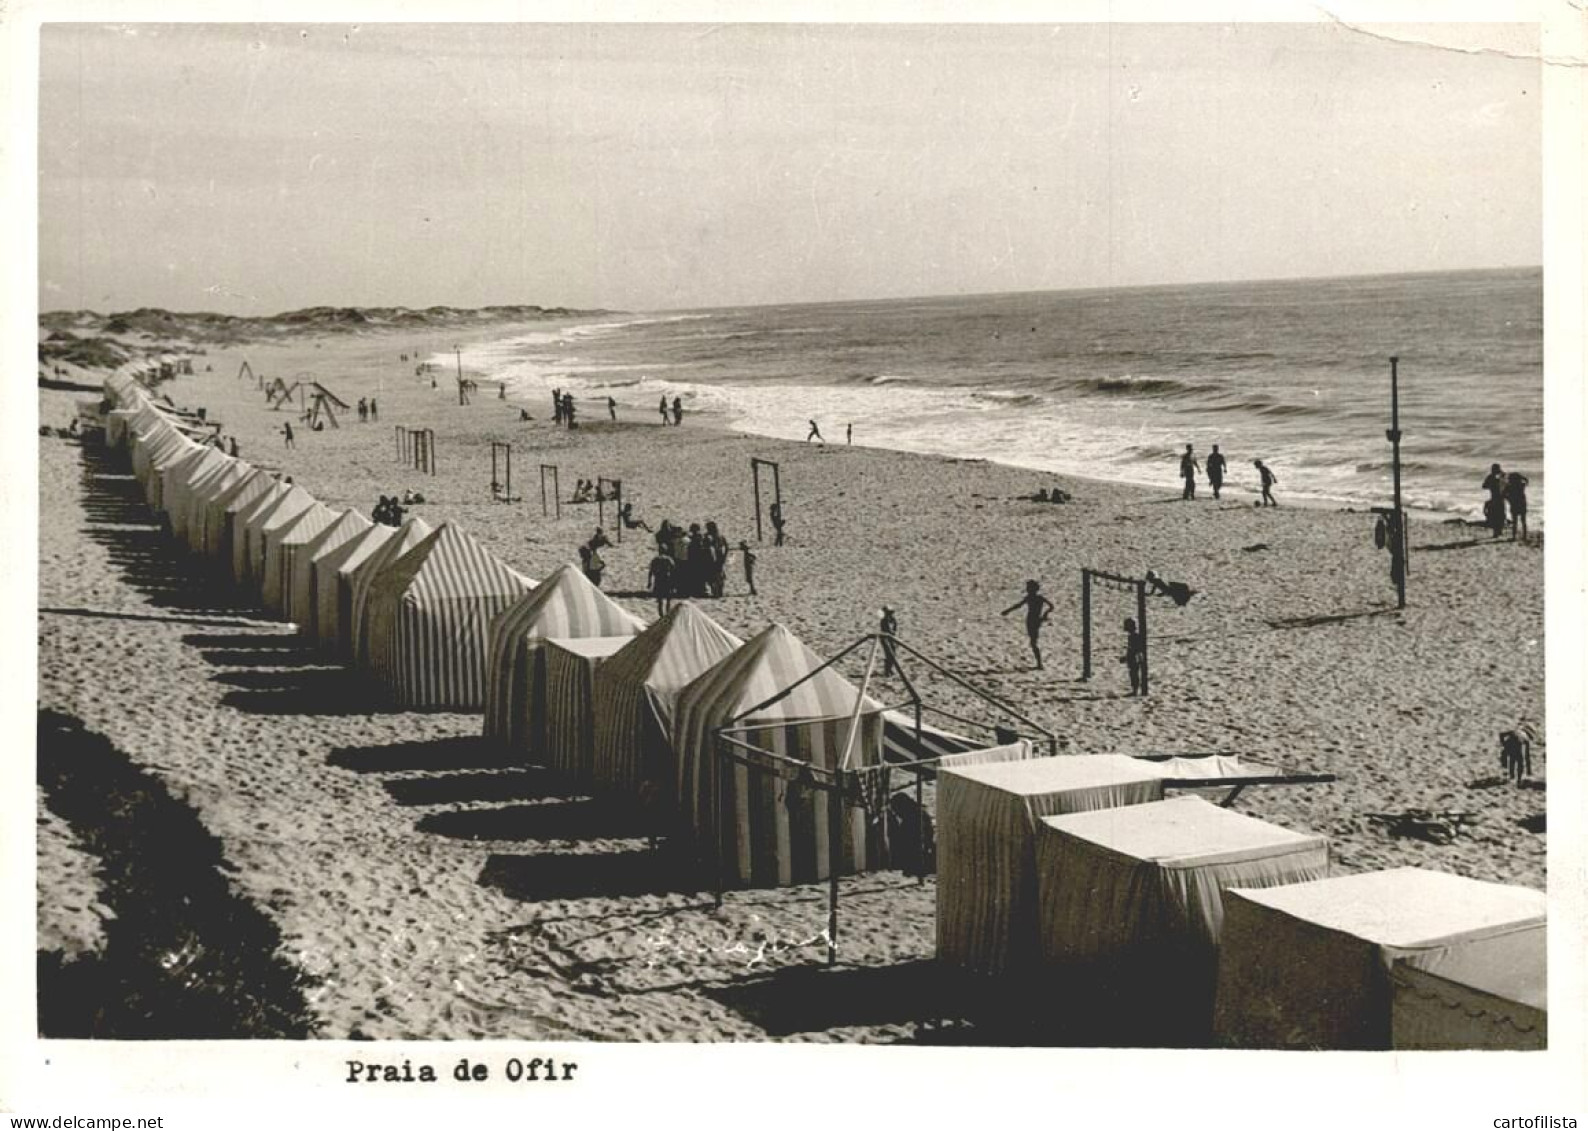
(159, 448)
(166, 469)
(564, 605)
(281, 545)
(301, 605)
(354, 584)
(204, 491)
(331, 627)
(763, 828)
(634, 693)
(427, 615)
(240, 520)
(571, 667)
(268, 517)
(220, 518)
(178, 489)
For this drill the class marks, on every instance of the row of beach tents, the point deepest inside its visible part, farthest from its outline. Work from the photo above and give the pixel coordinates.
(1077, 878)
(565, 676)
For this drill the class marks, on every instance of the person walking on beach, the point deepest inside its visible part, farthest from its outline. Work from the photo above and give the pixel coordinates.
(1269, 479)
(1038, 609)
(568, 411)
(1516, 496)
(1215, 470)
(889, 628)
(849, 433)
(815, 433)
(777, 523)
(363, 410)
(556, 406)
(374, 414)
(1188, 471)
(612, 408)
(659, 580)
(1494, 508)
(749, 566)
(1135, 657)
(286, 431)
(662, 408)
(678, 410)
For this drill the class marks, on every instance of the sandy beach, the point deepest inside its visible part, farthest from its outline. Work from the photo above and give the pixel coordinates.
(405, 880)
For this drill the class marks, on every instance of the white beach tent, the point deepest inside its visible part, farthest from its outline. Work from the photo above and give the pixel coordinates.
(161, 447)
(760, 828)
(332, 623)
(280, 543)
(634, 693)
(565, 605)
(302, 605)
(354, 583)
(1131, 910)
(205, 491)
(178, 490)
(266, 516)
(1485, 1007)
(571, 667)
(428, 614)
(989, 807)
(1308, 965)
(166, 470)
(220, 516)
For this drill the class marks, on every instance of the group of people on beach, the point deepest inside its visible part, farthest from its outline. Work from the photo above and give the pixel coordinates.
(693, 563)
(1216, 467)
(1506, 490)
(367, 410)
(677, 410)
(390, 510)
(563, 410)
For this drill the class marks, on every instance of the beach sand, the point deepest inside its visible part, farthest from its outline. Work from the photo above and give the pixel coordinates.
(416, 885)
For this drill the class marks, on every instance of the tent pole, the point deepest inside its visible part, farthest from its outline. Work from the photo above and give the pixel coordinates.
(973, 689)
(810, 675)
(835, 808)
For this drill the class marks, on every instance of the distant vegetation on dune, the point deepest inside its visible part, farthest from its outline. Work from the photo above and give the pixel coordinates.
(82, 330)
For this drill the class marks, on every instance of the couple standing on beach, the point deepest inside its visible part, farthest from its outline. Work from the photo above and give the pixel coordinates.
(1505, 490)
(1216, 465)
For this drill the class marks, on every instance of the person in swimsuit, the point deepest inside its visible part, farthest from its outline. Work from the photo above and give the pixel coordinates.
(1038, 608)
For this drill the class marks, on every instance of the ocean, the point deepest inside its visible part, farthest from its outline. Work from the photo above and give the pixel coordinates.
(1109, 384)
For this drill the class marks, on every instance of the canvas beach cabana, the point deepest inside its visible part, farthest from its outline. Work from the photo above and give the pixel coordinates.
(301, 603)
(564, 606)
(571, 667)
(1308, 965)
(280, 544)
(1486, 1006)
(332, 624)
(1131, 910)
(989, 808)
(428, 614)
(270, 513)
(205, 491)
(634, 694)
(354, 584)
(770, 714)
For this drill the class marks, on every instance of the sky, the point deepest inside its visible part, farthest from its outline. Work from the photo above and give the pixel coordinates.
(251, 169)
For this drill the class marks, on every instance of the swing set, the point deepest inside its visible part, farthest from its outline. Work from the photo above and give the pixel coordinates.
(1116, 582)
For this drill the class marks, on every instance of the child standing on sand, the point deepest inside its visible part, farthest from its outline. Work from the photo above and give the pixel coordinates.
(1269, 479)
(749, 566)
(1135, 657)
(1038, 608)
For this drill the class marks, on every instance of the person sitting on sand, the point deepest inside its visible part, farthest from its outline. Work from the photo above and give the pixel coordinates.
(1177, 591)
(626, 516)
(1058, 495)
(1041, 496)
(411, 496)
(1135, 657)
(1516, 496)
(659, 579)
(1038, 609)
(815, 433)
(523, 414)
(1216, 470)
(749, 566)
(1268, 481)
(581, 491)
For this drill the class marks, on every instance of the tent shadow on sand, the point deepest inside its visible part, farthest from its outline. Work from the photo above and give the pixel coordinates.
(561, 875)
(438, 755)
(551, 819)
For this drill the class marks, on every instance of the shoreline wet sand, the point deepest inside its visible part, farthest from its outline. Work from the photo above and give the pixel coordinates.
(424, 887)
